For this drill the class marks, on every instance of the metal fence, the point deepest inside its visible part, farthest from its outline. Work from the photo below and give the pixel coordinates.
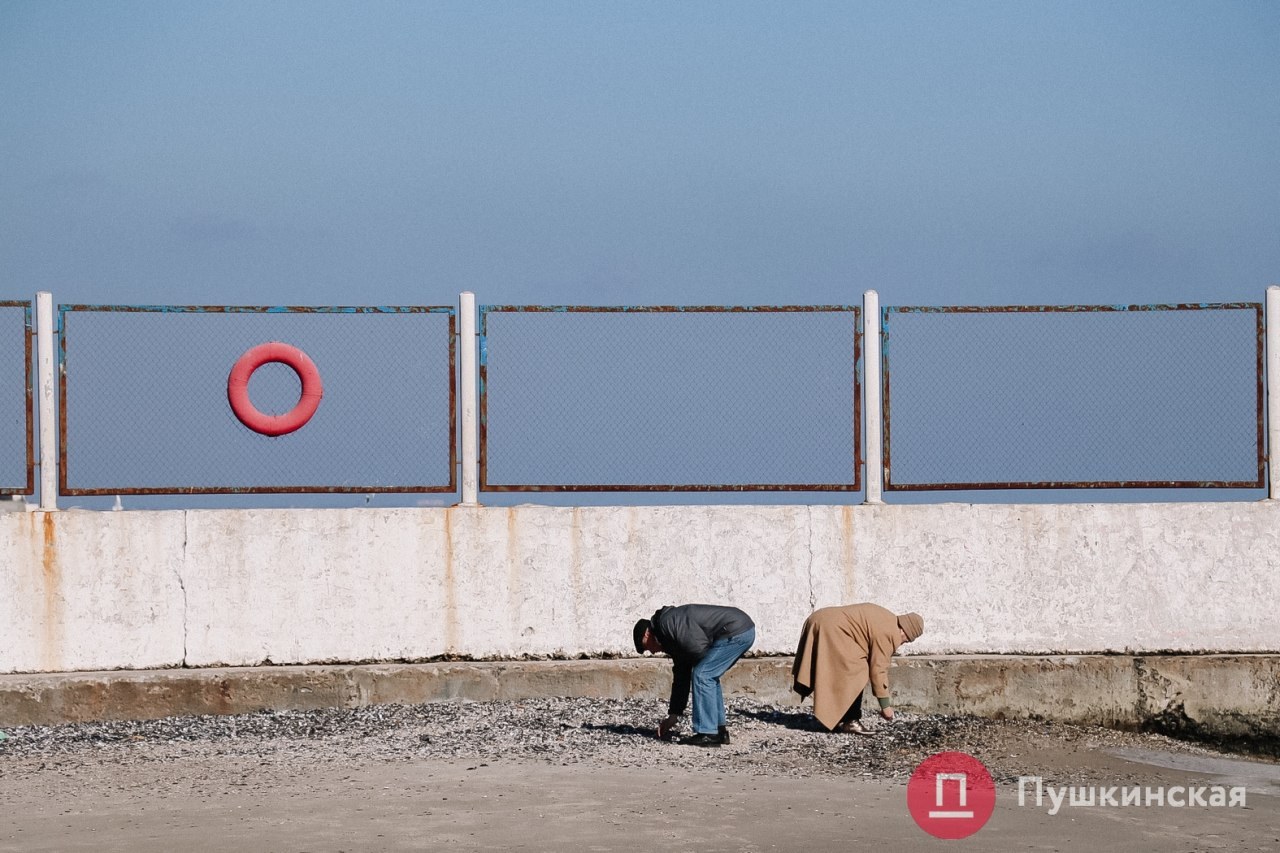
(165, 400)
(1075, 396)
(660, 398)
(146, 403)
(17, 422)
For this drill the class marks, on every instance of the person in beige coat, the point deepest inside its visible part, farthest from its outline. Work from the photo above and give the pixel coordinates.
(841, 649)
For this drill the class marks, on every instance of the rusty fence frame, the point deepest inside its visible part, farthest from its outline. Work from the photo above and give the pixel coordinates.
(28, 381)
(856, 311)
(451, 311)
(1260, 334)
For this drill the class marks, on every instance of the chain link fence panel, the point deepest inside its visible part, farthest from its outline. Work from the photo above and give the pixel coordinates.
(145, 410)
(660, 399)
(17, 423)
(1073, 397)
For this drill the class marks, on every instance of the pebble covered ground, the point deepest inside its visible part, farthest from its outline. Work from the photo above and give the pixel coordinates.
(766, 740)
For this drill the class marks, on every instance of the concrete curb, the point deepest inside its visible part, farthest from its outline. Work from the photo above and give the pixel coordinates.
(1225, 698)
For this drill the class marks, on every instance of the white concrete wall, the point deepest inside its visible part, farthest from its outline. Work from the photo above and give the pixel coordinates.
(131, 589)
(91, 590)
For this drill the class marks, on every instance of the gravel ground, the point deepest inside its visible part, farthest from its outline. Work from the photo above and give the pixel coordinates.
(768, 740)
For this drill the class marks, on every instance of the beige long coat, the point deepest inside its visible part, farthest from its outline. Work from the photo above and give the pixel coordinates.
(840, 650)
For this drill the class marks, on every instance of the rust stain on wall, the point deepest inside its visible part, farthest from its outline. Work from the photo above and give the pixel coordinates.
(514, 584)
(50, 653)
(575, 569)
(450, 587)
(848, 552)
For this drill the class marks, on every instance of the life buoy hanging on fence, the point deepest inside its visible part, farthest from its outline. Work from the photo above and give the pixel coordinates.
(238, 389)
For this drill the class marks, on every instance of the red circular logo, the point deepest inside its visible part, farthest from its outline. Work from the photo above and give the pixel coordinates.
(951, 795)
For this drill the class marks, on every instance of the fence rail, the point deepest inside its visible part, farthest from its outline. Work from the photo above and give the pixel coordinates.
(238, 400)
(1074, 396)
(669, 398)
(172, 423)
(17, 418)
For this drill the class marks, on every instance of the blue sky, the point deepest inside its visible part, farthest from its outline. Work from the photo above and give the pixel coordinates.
(711, 153)
(639, 153)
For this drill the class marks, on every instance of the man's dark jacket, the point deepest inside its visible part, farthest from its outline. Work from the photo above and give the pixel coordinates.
(686, 632)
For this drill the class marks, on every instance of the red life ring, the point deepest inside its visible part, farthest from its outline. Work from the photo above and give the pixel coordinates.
(238, 389)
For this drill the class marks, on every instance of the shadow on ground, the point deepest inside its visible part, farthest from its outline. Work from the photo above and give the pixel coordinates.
(803, 722)
(624, 730)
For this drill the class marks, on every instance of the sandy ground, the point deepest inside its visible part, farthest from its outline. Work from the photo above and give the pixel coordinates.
(586, 775)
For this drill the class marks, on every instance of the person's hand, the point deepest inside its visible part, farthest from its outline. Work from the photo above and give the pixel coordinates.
(666, 726)
(887, 713)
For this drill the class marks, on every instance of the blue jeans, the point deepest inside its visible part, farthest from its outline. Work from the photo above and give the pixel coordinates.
(708, 697)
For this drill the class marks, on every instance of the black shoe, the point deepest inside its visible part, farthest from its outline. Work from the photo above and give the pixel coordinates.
(701, 739)
(723, 734)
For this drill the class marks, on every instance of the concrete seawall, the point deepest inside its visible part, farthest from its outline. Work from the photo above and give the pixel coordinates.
(91, 591)
(1232, 699)
(1158, 615)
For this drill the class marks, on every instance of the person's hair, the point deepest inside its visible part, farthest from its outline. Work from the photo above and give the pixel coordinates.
(637, 634)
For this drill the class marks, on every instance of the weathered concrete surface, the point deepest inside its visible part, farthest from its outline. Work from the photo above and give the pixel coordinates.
(1229, 698)
(290, 586)
(1233, 698)
(90, 590)
(202, 588)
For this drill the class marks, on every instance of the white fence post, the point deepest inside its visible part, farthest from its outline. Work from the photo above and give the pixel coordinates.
(48, 418)
(871, 406)
(1272, 320)
(467, 345)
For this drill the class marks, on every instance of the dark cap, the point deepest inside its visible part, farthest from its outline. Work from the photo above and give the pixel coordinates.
(637, 634)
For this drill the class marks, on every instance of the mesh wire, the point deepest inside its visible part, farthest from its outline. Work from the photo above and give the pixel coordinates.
(15, 399)
(146, 401)
(1060, 397)
(712, 398)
